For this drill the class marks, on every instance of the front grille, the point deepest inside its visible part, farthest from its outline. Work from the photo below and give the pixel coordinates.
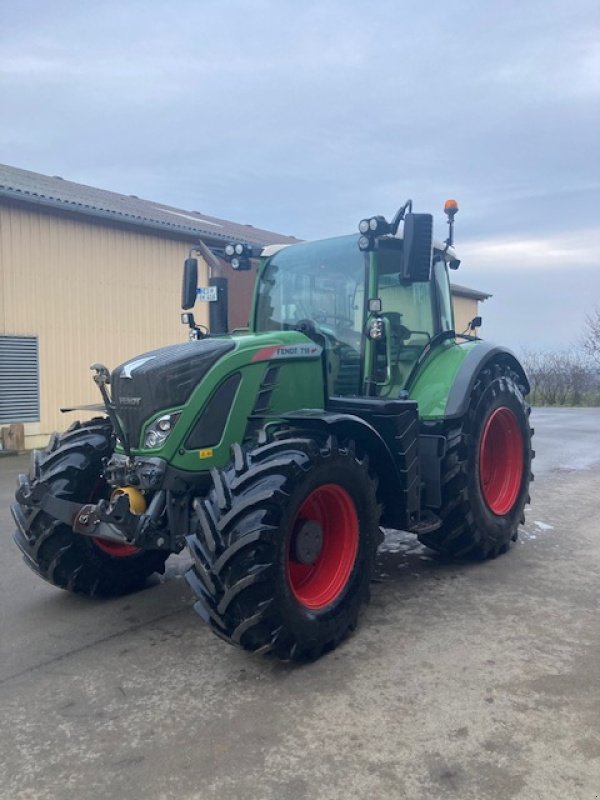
(161, 379)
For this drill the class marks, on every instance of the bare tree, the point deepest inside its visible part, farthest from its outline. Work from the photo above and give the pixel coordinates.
(591, 335)
(559, 379)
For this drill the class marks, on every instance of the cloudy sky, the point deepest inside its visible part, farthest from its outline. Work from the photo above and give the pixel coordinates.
(303, 117)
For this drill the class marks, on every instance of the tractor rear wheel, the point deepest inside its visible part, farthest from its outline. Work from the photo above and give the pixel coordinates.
(72, 465)
(486, 471)
(284, 546)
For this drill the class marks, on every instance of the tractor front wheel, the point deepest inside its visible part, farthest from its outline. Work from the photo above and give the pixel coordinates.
(283, 547)
(72, 466)
(486, 471)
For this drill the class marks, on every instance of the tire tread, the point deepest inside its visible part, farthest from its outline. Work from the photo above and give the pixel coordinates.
(72, 464)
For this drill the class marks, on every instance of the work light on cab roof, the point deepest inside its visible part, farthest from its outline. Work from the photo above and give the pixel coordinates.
(238, 254)
(373, 228)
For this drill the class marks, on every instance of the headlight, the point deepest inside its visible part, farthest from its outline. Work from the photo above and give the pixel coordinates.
(158, 433)
(376, 329)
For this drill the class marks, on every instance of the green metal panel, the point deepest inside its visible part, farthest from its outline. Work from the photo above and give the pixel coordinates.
(435, 378)
(299, 385)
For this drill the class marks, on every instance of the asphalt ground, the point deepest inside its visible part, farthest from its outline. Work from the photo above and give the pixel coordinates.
(463, 680)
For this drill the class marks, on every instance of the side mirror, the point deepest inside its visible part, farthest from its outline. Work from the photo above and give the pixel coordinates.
(475, 323)
(190, 283)
(418, 247)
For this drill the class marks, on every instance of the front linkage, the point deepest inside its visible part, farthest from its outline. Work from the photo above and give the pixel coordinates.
(122, 519)
(112, 520)
(67, 481)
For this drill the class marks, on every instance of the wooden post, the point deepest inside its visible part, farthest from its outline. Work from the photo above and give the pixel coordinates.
(13, 437)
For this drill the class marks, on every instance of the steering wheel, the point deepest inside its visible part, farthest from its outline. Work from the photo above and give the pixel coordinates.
(321, 316)
(307, 327)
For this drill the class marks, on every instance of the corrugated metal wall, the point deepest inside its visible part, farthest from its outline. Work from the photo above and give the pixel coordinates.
(465, 308)
(89, 293)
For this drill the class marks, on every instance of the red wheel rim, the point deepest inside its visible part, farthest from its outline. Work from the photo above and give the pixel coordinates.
(318, 584)
(501, 460)
(115, 549)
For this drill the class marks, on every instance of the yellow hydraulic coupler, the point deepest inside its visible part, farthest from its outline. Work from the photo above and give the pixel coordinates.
(137, 501)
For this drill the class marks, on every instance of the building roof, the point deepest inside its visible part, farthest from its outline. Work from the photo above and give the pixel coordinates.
(57, 193)
(54, 192)
(465, 291)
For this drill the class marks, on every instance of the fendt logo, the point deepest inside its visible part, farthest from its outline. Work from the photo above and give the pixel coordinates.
(130, 401)
(288, 351)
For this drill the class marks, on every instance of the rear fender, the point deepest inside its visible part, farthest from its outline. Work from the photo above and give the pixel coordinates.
(478, 359)
(443, 390)
(442, 387)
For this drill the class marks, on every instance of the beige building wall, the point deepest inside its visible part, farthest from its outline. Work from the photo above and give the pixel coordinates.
(465, 308)
(89, 292)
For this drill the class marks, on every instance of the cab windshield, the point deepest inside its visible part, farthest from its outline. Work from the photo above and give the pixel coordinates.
(319, 281)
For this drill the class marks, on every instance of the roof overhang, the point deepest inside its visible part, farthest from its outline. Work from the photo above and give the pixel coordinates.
(466, 291)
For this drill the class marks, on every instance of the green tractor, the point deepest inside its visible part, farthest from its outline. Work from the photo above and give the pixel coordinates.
(277, 453)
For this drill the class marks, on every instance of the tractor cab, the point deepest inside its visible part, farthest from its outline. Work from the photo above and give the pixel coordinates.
(374, 301)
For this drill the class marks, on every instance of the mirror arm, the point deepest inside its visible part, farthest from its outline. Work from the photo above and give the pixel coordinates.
(395, 223)
(210, 258)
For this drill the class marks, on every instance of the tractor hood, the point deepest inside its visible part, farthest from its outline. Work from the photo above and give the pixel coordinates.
(162, 378)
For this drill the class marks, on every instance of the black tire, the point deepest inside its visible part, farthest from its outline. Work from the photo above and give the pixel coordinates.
(242, 534)
(72, 465)
(481, 515)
